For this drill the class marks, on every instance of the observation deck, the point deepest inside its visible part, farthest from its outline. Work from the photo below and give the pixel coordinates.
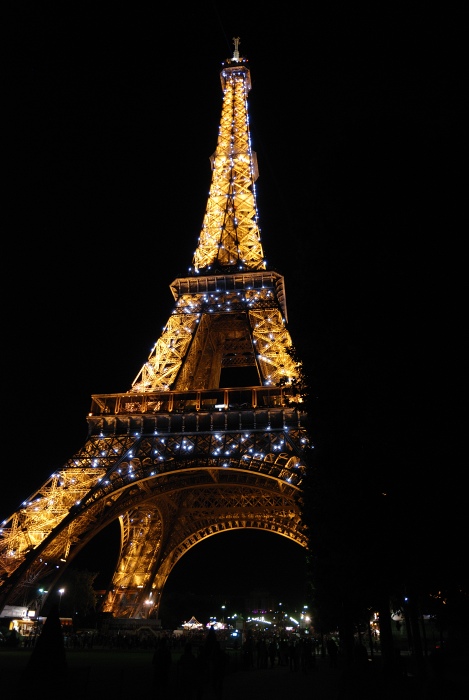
(239, 408)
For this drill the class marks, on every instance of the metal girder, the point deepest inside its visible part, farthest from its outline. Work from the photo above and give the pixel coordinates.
(168, 491)
(166, 527)
(200, 335)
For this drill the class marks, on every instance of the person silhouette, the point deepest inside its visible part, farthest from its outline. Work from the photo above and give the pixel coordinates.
(188, 671)
(333, 652)
(162, 660)
(216, 660)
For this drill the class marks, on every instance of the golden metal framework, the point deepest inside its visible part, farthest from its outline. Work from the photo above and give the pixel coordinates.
(180, 457)
(230, 236)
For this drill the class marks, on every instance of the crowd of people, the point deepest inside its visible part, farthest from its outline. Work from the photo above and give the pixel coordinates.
(203, 662)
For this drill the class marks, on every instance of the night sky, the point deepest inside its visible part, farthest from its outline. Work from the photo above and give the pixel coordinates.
(113, 113)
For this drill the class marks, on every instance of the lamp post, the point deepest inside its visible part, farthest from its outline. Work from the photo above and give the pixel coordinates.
(39, 605)
(42, 594)
(61, 592)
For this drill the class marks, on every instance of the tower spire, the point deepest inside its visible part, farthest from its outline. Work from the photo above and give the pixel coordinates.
(230, 235)
(236, 42)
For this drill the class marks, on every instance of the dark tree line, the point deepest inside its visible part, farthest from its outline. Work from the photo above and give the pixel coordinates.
(382, 517)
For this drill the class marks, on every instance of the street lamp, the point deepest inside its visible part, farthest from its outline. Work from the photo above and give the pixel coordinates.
(148, 603)
(42, 594)
(61, 592)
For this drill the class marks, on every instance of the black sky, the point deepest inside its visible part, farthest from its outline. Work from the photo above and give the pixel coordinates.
(113, 113)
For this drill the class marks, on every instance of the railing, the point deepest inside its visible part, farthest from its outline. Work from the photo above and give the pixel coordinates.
(231, 399)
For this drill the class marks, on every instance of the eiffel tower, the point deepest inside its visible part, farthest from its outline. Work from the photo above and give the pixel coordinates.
(192, 449)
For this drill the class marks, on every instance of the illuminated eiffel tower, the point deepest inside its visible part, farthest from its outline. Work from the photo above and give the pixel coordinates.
(192, 449)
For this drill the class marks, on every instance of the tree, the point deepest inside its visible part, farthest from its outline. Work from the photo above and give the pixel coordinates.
(81, 596)
(48, 655)
(347, 509)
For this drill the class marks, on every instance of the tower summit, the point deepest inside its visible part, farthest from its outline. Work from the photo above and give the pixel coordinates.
(211, 435)
(228, 275)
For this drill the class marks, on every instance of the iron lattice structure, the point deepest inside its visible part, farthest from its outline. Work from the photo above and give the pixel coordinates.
(180, 456)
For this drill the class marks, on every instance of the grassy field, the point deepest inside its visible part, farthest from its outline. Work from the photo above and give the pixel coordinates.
(118, 674)
(92, 673)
